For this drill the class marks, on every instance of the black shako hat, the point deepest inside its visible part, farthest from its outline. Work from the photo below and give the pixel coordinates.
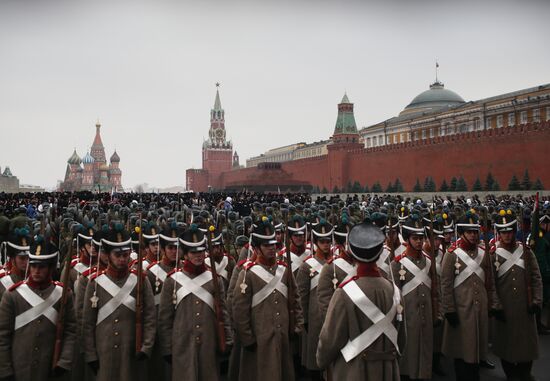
(263, 233)
(366, 242)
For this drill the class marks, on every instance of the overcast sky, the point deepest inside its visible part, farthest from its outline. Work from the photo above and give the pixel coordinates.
(147, 70)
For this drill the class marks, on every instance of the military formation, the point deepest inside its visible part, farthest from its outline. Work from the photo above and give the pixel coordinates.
(248, 286)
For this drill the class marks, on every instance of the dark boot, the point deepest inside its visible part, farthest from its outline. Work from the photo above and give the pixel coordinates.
(510, 370)
(436, 365)
(524, 371)
(541, 328)
(459, 370)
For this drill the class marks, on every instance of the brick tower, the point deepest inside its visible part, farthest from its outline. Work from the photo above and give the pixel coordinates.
(344, 139)
(217, 151)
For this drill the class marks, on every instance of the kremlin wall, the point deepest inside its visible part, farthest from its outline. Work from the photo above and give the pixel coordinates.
(438, 135)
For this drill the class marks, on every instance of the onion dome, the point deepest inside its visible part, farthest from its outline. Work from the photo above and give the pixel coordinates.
(74, 159)
(88, 159)
(115, 158)
(437, 97)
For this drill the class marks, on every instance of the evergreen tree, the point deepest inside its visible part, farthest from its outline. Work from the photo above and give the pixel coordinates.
(526, 183)
(489, 182)
(514, 184)
(432, 185)
(496, 186)
(417, 187)
(452, 186)
(477, 185)
(349, 187)
(538, 185)
(366, 188)
(356, 188)
(444, 187)
(316, 189)
(397, 186)
(429, 184)
(376, 188)
(461, 185)
(335, 189)
(390, 188)
(324, 190)
(426, 187)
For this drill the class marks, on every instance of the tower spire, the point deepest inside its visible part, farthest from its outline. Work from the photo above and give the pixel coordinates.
(436, 71)
(217, 102)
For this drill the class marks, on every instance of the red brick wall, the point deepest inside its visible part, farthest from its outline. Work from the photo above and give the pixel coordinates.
(504, 152)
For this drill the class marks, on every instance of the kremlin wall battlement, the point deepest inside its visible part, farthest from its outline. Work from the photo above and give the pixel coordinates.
(503, 150)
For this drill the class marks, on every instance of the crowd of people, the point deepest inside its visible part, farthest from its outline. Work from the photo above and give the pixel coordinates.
(273, 286)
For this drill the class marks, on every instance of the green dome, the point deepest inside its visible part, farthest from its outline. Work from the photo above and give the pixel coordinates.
(434, 98)
(74, 159)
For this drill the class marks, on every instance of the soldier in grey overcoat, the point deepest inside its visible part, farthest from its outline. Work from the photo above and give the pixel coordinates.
(29, 313)
(519, 287)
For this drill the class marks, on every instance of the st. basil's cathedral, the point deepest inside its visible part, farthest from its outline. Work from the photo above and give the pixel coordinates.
(91, 172)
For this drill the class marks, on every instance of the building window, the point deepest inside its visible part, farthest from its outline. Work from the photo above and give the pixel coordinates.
(374, 142)
(511, 119)
(487, 123)
(442, 131)
(368, 142)
(499, 121)
(523, 117)
(547, 113)
(477, 124)
(424, 134)
(449, 129)
(381, 140)
(431, 133)
(402, 137)
(536, 115)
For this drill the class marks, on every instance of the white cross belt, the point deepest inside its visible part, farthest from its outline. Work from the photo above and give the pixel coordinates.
(121, 295)
(511, 259)
(273, 282)
(346, 267)
(193, 286)
(221, 268)
(382, 324)
(473, 266)
(39, 306)
(317, 267)
(421, 276)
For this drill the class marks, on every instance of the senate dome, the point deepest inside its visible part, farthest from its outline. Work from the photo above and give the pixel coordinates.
(437, 97)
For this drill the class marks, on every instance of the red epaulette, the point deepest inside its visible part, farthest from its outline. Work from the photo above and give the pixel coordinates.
(74, 257)
(132, 263)
(349, 280)
(174, 270)
(241, 262)
(58, 283)
(249, 265)
(134, 271)
(3, 275)
(493, 249)
(399, 257)
(282, 251)
(74, 262)
(97, 275)
(452, 247)
(89, 271)
(152, 264)
(426, 254)
(331, 259)
(16, 285)
(308, 257)
(282, 263)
